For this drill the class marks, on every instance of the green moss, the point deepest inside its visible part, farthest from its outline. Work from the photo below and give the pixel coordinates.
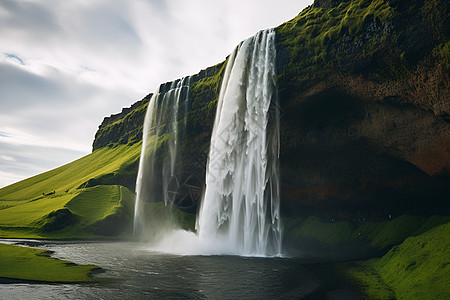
(124, 131)
(419, 268)
(364, 274)
(167, 216)
(378, 235)
(33, 264)
(204, 94)
(57, 220)
(325, 37)
(326, 232)
(444, 52)
(388, 233)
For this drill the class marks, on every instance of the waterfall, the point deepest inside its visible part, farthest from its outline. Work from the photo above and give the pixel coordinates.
(240, 206)
(156, 180)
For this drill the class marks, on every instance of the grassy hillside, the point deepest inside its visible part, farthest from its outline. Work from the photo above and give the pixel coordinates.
(84, 199)
(71, 176)
(419, 268)
(70, 201)
(379, 235)
(27, 264)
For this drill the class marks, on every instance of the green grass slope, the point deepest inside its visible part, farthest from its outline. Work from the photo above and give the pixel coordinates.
(23, 263)
(376, 234)
(70, 176)
(86, 213)
(66, 202)
(419, 268)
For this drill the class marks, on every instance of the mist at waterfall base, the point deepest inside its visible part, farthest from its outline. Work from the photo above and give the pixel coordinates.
(239, 212)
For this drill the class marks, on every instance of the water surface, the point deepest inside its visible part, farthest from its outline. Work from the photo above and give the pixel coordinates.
(134, 272)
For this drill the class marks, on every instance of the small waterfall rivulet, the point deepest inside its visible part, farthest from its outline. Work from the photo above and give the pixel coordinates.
(240, 206)
(156, 180)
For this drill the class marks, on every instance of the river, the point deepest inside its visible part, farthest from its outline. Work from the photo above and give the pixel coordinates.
(132, 271)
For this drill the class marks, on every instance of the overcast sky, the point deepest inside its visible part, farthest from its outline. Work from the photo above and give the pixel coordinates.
(66, 64)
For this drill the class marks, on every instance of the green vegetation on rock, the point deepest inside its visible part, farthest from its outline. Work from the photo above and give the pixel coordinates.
(168, 217)
(204, 94)
(323, 37)
(377, 234)
(21, 263)
(313, 227)
(419, 268)
(124, 128)
(377, 38)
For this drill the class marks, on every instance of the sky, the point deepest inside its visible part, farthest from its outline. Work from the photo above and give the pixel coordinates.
(67, 64)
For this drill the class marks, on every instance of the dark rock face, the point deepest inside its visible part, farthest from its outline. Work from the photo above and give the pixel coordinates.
(367, 134)
(124, 127)
(351, 157)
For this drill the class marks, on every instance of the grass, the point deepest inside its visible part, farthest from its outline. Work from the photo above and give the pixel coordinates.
(29, 264)
(87, 213)
(69, 177)
(326, 232)
(324, 37)
(378, 234)
(203, 95)
(52, 204)
(80, 200)
(364, 274)
(418, 268)
(162, 216)
(124, 131)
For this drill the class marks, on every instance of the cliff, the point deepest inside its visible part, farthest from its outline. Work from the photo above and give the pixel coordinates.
(364, 95)
(126, 126)
(365, 130)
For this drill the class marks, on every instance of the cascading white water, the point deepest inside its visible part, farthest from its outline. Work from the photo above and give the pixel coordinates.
(160, 125)
(240, 207)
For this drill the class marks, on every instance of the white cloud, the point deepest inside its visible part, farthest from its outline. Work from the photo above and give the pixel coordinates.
(64, 65)
(7, 158)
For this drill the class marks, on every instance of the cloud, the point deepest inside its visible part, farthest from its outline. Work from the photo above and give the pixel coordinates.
(20, 16)
(7, 158)
(21, 161)
(64, 65)
(14, 58)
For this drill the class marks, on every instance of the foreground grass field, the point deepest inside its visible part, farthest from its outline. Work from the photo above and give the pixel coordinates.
(419, 268)
(21, 263)
(64, 203)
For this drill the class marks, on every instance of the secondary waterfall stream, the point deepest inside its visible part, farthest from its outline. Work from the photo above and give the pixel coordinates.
(161, 133)
(239, 213)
